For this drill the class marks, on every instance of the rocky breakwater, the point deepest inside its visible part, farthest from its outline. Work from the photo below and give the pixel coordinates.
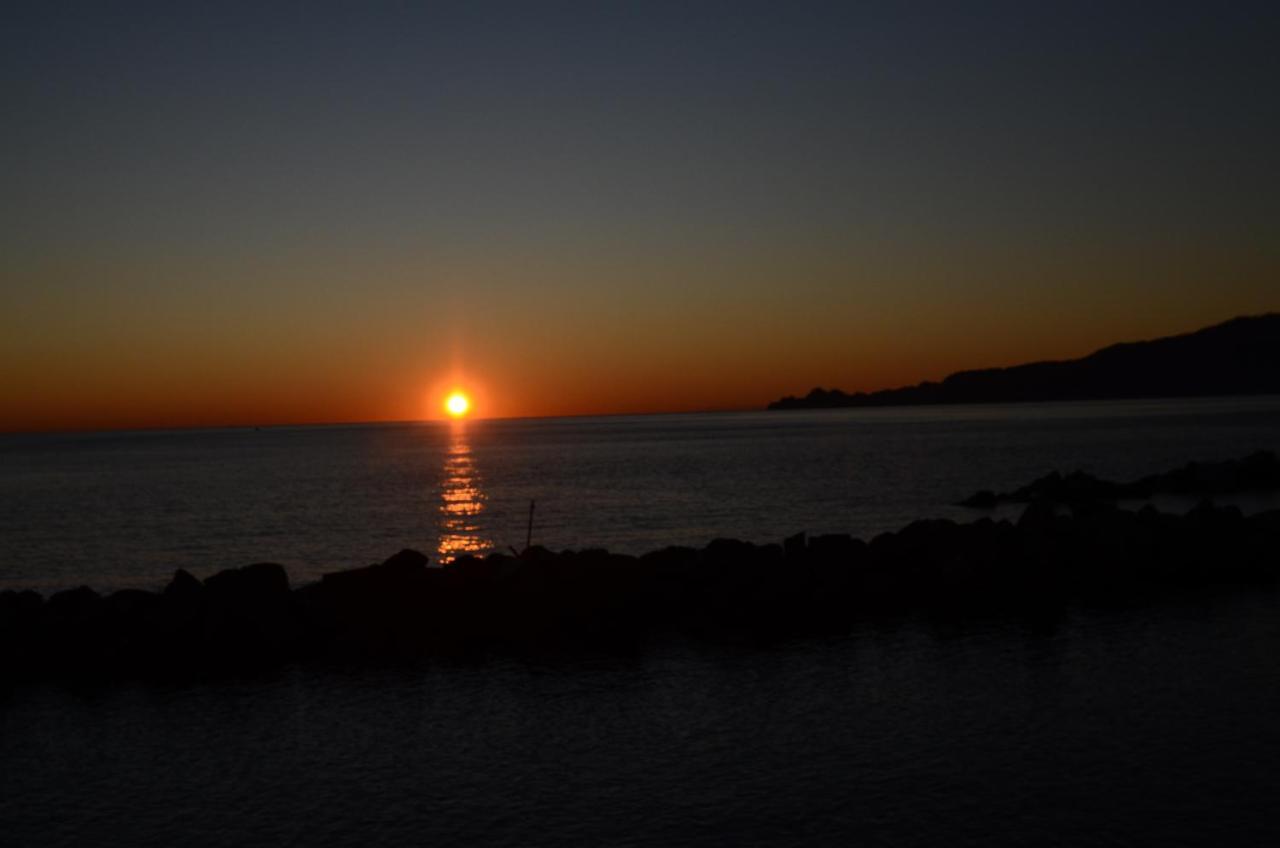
(1257, 472)
(249, 618)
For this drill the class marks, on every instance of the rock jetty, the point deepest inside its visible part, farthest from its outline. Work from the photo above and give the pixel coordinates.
(1257, 472)
(251, 618)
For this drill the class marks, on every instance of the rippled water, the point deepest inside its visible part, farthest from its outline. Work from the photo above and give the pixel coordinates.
(125, 509)
(1121, 727)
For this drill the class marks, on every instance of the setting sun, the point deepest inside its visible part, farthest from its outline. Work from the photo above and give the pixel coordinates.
(457, 404)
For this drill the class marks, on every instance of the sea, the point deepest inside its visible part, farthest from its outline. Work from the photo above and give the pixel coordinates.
(1127, 725)
(118, 510)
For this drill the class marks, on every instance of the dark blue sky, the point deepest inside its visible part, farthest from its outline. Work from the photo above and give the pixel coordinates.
(603, 206)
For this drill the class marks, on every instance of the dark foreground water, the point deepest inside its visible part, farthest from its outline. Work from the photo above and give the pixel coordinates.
(125, 509)
(1101, 727)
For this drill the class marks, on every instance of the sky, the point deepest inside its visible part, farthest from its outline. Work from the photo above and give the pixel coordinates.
(265, 213)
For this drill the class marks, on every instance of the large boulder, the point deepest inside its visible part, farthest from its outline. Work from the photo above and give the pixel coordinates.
(184, 588)
(249, 615)
(130, 608)
(21, 615)
(19, 609)
(407, 560)
(79, 604)
(262, 582)
(406, 568)
(384, 608)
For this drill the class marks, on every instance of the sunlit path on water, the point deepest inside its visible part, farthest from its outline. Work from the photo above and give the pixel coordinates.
(462, 500)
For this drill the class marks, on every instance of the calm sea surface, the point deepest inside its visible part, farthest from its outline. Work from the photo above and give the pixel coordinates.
(113, 510)
(1153, 725)
(1128, 727)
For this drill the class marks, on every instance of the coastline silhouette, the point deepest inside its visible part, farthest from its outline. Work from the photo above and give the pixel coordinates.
(1236, 357)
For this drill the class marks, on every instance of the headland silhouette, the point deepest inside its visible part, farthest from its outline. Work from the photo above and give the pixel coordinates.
(1237, 357)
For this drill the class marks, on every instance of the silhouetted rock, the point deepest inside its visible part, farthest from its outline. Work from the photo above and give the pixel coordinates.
(17, 608)
(130, 604)
(78, 604)
(405, 568)
(985, 499)
(1256, 472)
(184, 587)
(258, 583)
(1040, 515)
(1055, 554)
(835, 546)
(378, 609)
(407, 560)
(1233, 358)
(177, 628)
(249, 617)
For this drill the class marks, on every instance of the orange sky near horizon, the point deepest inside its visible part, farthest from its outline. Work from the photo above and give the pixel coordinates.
(154, 384)
(153, 341)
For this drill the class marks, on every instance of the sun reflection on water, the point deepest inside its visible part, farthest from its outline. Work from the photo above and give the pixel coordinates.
(462, 500)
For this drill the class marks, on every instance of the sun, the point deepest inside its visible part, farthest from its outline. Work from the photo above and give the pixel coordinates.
(457, 404)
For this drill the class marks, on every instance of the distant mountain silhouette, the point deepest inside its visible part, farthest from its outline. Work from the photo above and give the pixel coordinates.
(1238, 357)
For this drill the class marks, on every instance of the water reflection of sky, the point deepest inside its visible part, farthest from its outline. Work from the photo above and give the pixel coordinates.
(462, 500)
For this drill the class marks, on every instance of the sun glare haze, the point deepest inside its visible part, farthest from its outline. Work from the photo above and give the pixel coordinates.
(457, 405)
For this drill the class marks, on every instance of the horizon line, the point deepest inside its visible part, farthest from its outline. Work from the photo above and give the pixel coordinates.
(394, 422)
(370, 422)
